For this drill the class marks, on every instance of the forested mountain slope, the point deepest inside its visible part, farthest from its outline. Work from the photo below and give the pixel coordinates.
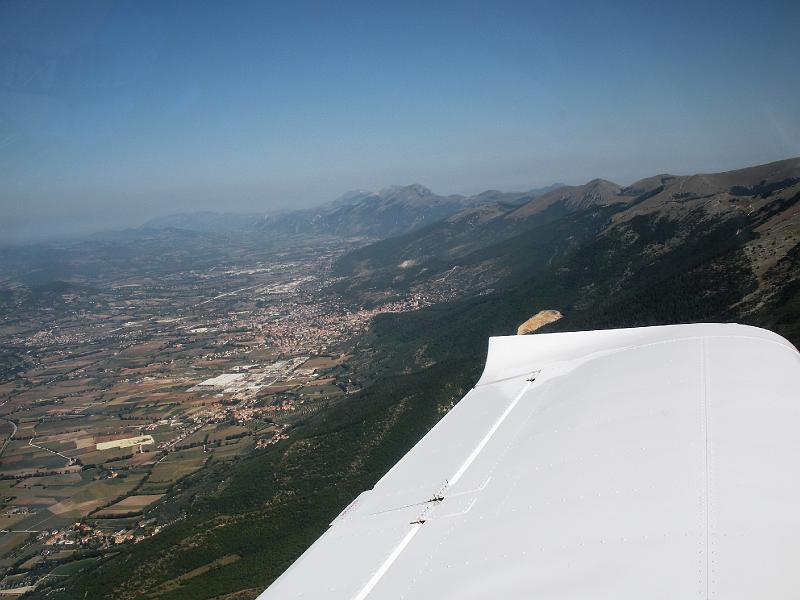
(654, 221)
(665, 250)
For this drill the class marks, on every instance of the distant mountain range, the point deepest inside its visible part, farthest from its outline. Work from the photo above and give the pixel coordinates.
(392, 211)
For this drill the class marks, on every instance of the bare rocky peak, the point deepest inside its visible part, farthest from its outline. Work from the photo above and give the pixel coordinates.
(408, 193)
(353, 197)
(573, 197)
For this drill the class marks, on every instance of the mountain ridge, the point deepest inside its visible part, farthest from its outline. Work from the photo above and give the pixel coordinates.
(394, 210)
(495, 244)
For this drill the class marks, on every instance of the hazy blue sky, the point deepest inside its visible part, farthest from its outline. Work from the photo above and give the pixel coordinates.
(111, 112)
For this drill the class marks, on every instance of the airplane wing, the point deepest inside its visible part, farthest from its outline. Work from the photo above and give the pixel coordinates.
(656, 462)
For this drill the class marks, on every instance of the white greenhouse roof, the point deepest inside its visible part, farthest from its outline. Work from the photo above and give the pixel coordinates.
(657, 462)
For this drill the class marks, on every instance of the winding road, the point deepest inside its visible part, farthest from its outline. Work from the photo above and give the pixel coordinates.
(10, 437)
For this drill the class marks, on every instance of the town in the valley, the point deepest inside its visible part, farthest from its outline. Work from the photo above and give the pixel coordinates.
(116, 388)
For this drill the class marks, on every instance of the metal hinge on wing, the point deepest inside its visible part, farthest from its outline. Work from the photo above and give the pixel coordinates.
(423, 516)
(534, 375)
(439, 495)
(430, 504)
(458, 504)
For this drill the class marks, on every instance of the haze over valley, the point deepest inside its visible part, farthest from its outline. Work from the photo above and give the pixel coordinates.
(251, 253)
(187, 404)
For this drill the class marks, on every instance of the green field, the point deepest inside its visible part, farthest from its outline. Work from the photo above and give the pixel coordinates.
(177, 465)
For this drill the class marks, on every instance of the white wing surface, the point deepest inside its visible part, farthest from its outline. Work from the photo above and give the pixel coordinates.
(657, 462)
